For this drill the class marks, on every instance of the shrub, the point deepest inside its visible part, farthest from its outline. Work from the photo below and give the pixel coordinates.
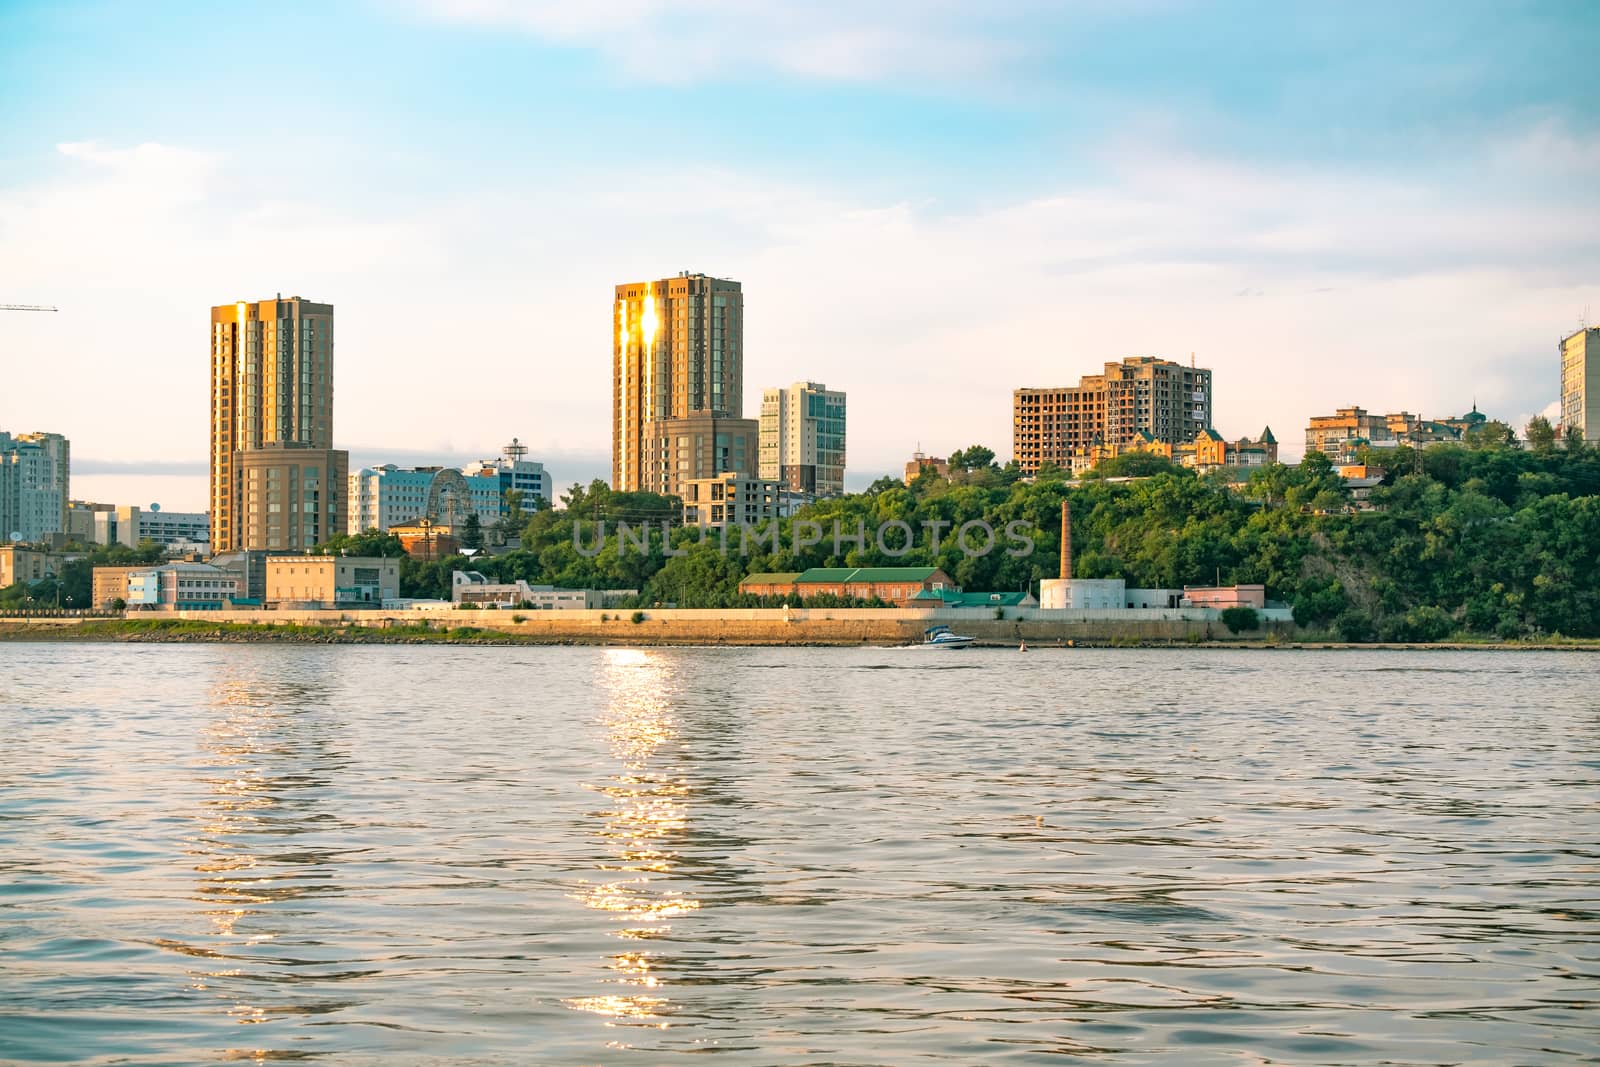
(466, 607)
(1239, 619)
(604, 617)
(1354, 626)
(638, 616)
(519, 618)
(119, 604)
(1425, 623)
(999, 613)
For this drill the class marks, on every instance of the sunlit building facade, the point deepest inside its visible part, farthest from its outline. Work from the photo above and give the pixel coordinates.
(1580, 384)
(678, 383)
(277, 483)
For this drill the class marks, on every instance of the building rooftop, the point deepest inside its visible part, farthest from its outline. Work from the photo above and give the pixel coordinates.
(771, 578)
(867, 574)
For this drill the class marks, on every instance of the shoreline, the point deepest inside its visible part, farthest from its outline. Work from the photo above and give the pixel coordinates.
(193, 631)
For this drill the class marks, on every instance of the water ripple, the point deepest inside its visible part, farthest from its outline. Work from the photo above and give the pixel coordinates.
(374, 855)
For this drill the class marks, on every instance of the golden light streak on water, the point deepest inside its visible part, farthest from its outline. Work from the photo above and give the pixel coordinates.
(647, 812)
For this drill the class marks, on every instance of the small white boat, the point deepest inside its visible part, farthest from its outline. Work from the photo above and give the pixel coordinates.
(941, 637)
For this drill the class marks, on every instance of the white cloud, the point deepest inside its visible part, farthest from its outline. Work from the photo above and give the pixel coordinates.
(482, 312)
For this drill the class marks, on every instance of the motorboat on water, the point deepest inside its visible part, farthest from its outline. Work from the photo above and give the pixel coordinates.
(942, 637)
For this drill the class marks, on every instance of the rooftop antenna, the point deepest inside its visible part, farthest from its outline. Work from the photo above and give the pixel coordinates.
(1191, 361)
(515, 450)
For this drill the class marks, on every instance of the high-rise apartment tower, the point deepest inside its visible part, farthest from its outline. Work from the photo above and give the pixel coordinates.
(35, 484)
(277, 483)
(802, 438)
(1580, 383)
(677, 383)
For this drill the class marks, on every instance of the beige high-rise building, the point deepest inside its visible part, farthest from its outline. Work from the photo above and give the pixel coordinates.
(1069, 425)
(678, 383)
(1580, 383)
(277, 483)
(803, 438)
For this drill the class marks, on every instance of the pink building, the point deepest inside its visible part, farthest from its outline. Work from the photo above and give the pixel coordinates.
(1224, 596)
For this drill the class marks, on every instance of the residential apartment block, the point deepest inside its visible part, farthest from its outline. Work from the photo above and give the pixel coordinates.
(277, 483)
(35, 476)
(383, 497)
(729, 500)
(1168, 401)
(1580, 384)
(802, 444)
(677, 383)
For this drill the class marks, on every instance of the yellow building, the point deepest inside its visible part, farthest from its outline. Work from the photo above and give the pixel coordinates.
(1346, 429)
(1580, 384)
(1208, 451)
(277, 483)
(111, 583)
(331, 581)
(29, 565)
(678, 383)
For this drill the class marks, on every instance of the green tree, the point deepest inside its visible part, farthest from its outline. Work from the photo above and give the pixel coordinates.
(1540, 435)
(472, 531)
(975, 457)
(515, 517)
(1138, 464)
(367, 543)
(1492, 434)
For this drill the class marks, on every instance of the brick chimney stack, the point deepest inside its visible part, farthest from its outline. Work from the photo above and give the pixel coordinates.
(1066, 540)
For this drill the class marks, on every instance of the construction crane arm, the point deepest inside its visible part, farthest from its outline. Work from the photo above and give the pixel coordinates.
(26, 307)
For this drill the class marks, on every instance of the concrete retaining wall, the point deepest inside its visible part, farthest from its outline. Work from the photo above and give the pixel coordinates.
(774, 626)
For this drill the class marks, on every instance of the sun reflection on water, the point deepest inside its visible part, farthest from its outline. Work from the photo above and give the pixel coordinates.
(262, 772)
(647, 813)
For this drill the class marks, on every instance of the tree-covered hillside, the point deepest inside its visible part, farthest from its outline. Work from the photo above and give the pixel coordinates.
(1492, 540)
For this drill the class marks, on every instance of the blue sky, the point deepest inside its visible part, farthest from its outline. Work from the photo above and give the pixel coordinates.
(928, 204)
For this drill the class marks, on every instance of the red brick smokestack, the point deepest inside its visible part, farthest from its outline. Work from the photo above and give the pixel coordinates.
(1066, 540)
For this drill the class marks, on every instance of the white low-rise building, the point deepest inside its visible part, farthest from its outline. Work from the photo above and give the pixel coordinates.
(471, 587)
(180, 587)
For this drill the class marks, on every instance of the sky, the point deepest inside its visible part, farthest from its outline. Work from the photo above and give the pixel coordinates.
(929, 204)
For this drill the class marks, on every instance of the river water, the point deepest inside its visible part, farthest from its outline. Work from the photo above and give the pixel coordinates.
(404, 854)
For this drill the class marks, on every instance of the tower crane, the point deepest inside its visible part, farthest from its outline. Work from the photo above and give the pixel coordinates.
(26, 307)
